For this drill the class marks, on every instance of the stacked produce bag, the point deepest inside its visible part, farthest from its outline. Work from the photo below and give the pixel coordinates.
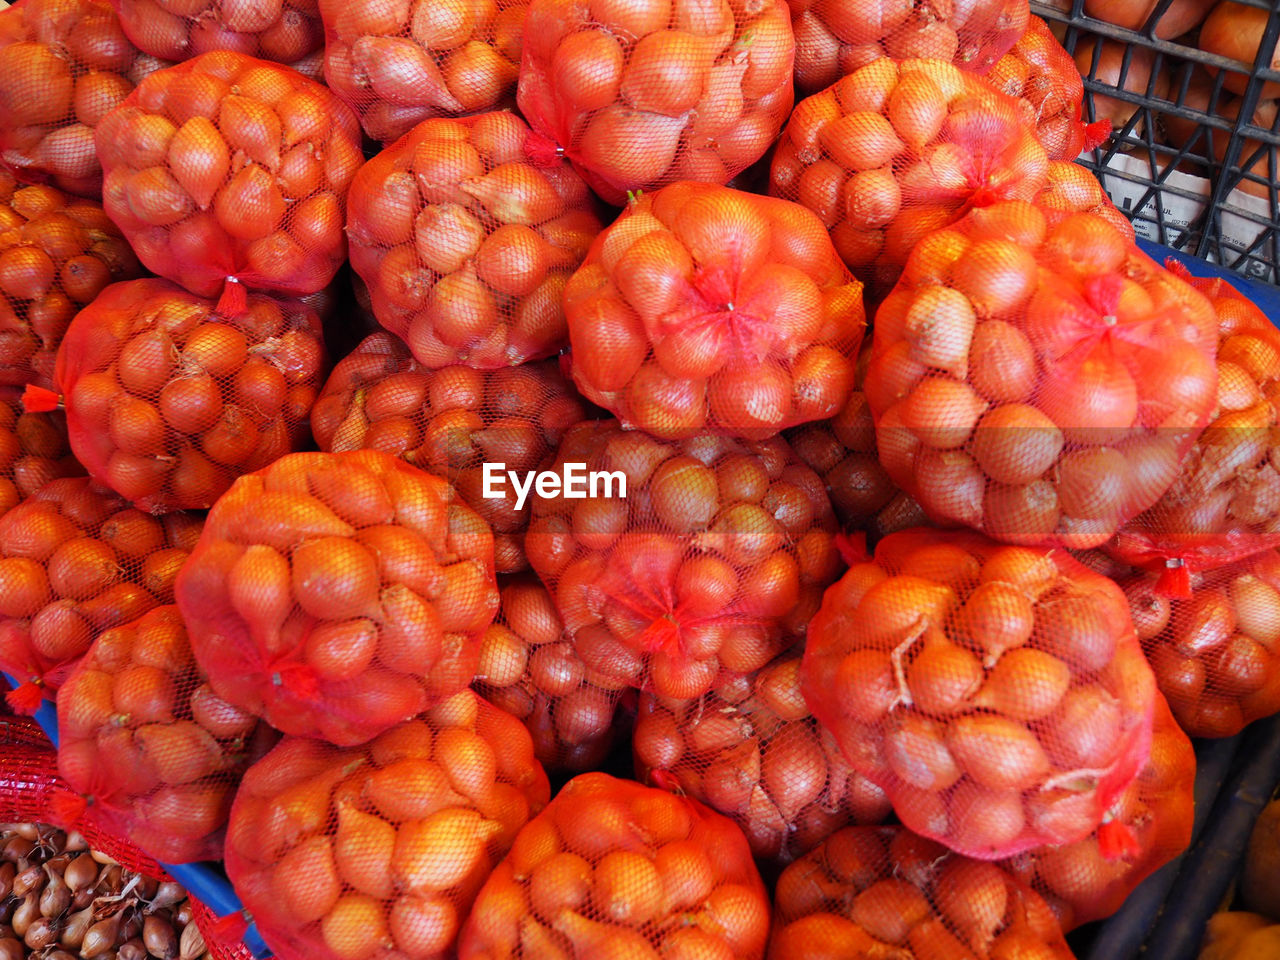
(614, 561)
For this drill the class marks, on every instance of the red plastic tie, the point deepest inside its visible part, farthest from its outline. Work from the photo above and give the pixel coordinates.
(661, 634)
(39, 400)
(566, 365)
(1178, 269)
(25, 699)
(1096, 134)
(1174, 581)
(542, 151)
(298, 680)
(234, 302)
(229, 929)
(853, 547)
(66, 808)
(1117, 841)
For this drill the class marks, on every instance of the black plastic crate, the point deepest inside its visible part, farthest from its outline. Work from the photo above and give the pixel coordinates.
(1187, 195)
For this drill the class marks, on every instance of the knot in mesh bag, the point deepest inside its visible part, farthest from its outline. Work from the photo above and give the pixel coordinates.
(76, 560)
(1225, 502)
(60, 253)
(1039, 381)
(379, 850)
(33, 450)
(64, 64)
(997, 694)
(751, 749)
(895, 151)
(149, 745)
(457, 422)
(1216, 651)
(644, 94)
(531, 669)
(399, 62)
(834, 38)
(337, 594)
(466, 238)
(283, 32)
(227, 166)
(705, 308)
(615, 869)
(693, 559)
(885, 892)
(1148, 825)
(168, 398)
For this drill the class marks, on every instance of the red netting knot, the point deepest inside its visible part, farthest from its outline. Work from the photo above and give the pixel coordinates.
(298, 680)
(26, 698)
(233, 302)
(39, 400)
(1096, 134)
(1174, 581)
(1116, 840)
(542, 151)
(662, 634)
(66, 808)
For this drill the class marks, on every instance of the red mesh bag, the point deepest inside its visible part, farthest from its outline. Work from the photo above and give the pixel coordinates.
(1215, 653)
(283, 32)
(895, 151)
(645, 94)
(228, 167)
(338, 594)
(76, 560)
(751, 750)
(60, 253)
(360, 852)
(63, 65)
(1042, 74)
(466, 240)
(1070, 188)
(1147, 826)
(693, 559)
(453, 422)
(399, 62)
(531, 669)
(1225, 502)
(615, 869)
(33, 450)
(885, 892)
(169, 399)
(705, 308)
(997, 694)
(834, 38)
(1038, 381)
(146, 742)
(842, 450)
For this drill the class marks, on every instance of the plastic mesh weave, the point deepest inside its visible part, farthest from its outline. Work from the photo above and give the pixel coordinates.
(283, 32)
(33, 450)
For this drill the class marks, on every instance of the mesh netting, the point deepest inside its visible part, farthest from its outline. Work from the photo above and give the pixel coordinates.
(63, 65)
(60, 253)
(456, 422)
(1225, 502)
(1039, 379)
(229, 166)
(399, 62)
(465, 236)
(338, 594)
(33, 450)
(615, 869)
(751, 750)
(693, 559)
(530, 668)
(1042, 74)
(1070, 188)
(1216, 652)
(1148, 825)
(380, 850)
(705, 308)
(149, 745)
(283, 32)
(76, 560)
(643, 94)
(836, 37)
(997, 694)
(896, 151)
(884, 892)
(168, 399)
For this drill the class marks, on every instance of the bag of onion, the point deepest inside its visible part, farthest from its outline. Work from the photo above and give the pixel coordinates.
(1037, 377)
(33, 450)
(338, 594)
(268, 29)
(143, 738)
(168, 398)
(997, 694)
(345, 854)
